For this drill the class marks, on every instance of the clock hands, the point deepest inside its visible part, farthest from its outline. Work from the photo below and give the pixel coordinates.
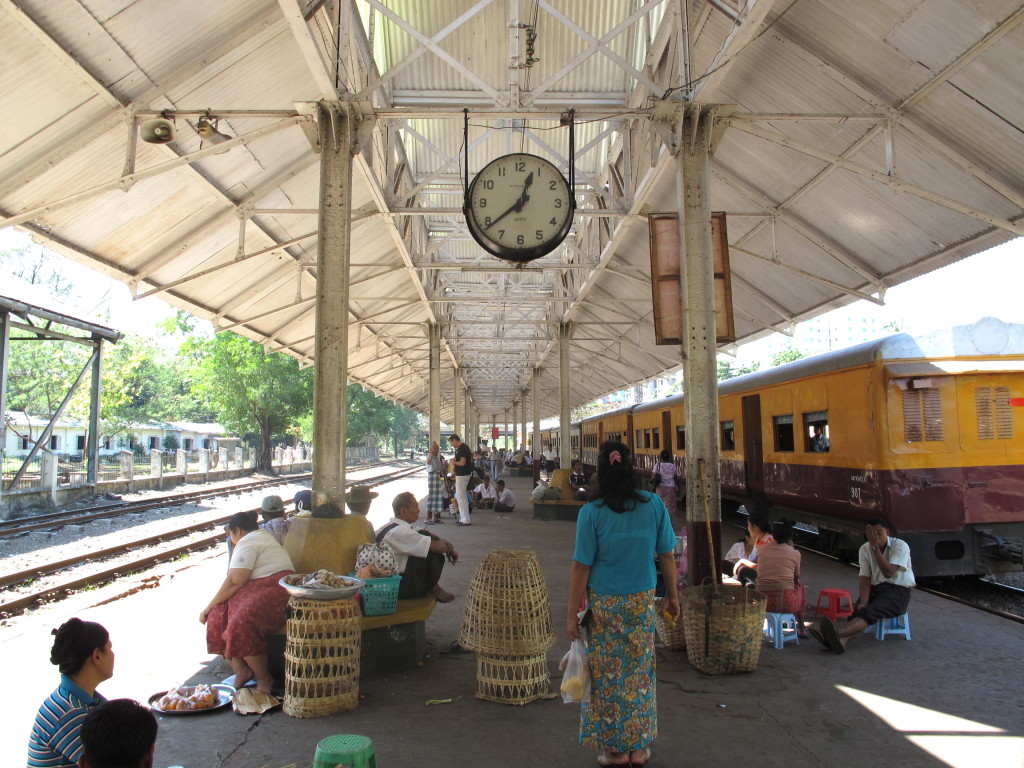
(517, 206)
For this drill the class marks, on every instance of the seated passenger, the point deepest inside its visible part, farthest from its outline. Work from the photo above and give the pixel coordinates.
(819, 443)
(741, 549)
(886, 577)
(119, 734)
(274, 521)
(484, 495)
(504, 500)
(758, 525)
(82, 652)
(359, 498)
(527, 459)
(578, 481)
(420, 554)
(249, 604)
(778, 575)
(303, 501)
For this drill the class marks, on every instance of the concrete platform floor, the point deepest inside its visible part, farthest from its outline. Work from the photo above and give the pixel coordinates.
(950, 697)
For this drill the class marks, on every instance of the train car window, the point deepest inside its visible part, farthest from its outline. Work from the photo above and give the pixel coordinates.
(728, 435)
(816, 432)
(680, 438)
(647, 438)
(639, 438)
(656, 435)
(995, 417)
(922, 415)
(784, 442)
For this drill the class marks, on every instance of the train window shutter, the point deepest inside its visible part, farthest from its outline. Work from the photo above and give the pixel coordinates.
(922, 415)
(995, 419)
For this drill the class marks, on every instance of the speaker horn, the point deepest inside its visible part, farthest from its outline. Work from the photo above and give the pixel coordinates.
(157, 131)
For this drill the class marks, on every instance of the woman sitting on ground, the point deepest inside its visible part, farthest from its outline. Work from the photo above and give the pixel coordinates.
(250, 603)
(778, 575)
(758, 525)
(82, 652)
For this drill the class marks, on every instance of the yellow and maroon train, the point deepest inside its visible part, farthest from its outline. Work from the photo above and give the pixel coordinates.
(926, 432)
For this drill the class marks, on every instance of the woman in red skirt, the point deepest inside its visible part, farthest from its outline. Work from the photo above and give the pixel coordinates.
(778, 575)
(250, 603)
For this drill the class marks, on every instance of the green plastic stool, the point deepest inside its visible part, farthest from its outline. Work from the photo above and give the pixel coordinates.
(346, 750)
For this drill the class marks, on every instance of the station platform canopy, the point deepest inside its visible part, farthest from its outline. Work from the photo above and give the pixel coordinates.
(857, 145)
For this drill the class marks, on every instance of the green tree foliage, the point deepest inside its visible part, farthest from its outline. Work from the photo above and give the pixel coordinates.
(372, 419)
(251, 392)
(787, 356)
(728, 370)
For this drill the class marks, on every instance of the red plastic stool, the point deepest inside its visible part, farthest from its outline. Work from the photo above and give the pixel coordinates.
(834, 610)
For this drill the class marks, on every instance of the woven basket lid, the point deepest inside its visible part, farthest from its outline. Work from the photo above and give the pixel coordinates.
(507, 609)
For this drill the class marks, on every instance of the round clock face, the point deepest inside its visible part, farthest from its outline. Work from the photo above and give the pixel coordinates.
(519, 207)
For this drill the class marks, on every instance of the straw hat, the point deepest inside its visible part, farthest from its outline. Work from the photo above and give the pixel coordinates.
(360, 494)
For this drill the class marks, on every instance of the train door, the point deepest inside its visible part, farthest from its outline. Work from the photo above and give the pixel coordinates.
(753, 447)
(666, 431)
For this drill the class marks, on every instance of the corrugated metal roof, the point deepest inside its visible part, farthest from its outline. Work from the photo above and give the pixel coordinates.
(823, 94)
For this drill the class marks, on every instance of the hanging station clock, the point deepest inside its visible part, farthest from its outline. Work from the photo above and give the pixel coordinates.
(519, 207)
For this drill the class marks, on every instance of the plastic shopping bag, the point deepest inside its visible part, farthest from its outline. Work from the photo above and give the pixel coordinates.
(576, 679)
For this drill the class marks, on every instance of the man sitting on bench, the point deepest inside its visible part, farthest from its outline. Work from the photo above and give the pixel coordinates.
(420, 554)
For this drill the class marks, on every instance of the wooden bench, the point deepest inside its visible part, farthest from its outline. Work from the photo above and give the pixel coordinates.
(389, 643)
(565, 508)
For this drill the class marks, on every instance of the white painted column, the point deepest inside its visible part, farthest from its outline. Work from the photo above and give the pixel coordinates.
(535, 446)
(332, 294)
(456, 406)
(699, 346)
(434, 427)
(522, 415)
(564, 448)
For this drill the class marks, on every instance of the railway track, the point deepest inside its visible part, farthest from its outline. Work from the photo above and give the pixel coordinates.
(169, 546)
(99, 511)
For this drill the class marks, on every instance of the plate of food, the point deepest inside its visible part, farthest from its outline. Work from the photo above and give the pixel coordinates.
(192, 699)
(321, 585)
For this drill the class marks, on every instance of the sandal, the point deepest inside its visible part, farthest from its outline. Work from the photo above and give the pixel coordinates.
(455, 648)
(831, 634)
(819, 637)
(645, 752)
(605, 759)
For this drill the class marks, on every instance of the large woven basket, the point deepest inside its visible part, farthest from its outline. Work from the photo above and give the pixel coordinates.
(507, 611)
(321, 657)
(512, 679)
(723, 625)
(671, 633)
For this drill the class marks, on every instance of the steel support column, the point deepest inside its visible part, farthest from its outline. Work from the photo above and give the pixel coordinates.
(564, 451)
(92, 444)
(522, 415)
(434, 435)
(703, 490)
(5, 351)
(332, 290)
(535, 439)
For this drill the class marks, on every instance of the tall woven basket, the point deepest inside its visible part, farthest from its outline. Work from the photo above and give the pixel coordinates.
(507, 621)
(514, 680)
(507, 610)
(321, 657)
(723, 626)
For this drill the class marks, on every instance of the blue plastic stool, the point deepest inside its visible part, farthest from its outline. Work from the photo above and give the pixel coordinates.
(775, 628)
(900, 625)
(345, 750)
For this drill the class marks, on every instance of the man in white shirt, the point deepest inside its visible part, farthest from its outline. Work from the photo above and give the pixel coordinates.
(420, 554)
(886, 578)
(484, 495)
(504, 500)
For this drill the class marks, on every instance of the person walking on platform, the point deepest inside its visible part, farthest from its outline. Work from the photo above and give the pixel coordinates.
(666, 490)
(463, 470)
(435, 485)
(886, 578)
(617, 536)
(495, 459)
